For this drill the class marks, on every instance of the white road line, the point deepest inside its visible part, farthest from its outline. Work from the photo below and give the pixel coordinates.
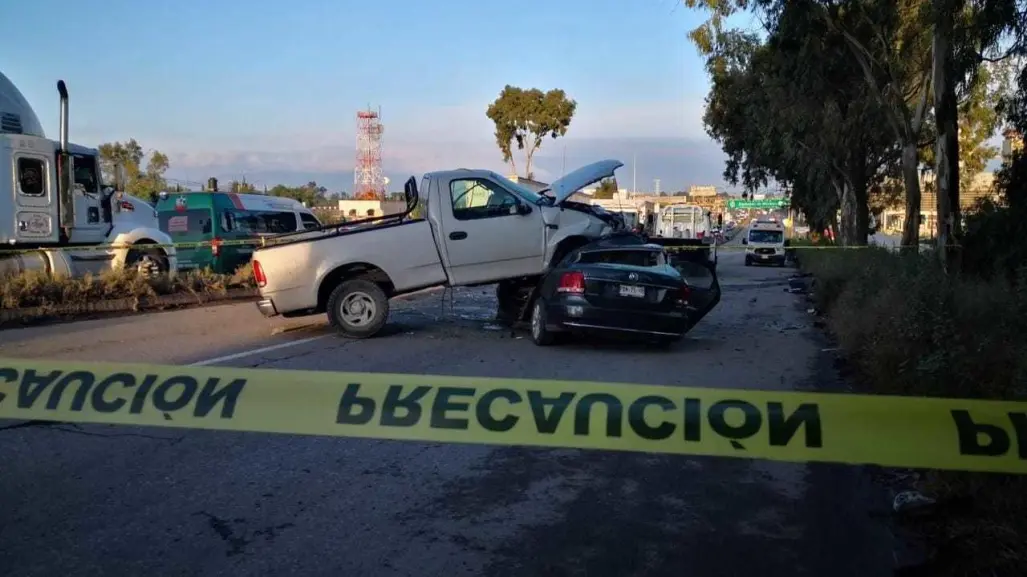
(251, 352)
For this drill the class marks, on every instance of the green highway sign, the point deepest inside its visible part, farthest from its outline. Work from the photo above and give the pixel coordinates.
(766, 203)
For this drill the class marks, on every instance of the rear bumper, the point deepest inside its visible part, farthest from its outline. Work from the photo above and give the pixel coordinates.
(575, 314)
(267, 308)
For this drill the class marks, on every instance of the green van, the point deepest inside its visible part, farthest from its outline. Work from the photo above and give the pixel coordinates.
(216, 217)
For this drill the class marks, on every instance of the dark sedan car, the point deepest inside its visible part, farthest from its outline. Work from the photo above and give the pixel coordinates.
(623, 286)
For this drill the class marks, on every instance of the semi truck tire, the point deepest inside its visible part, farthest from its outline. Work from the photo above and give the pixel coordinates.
(148, 263)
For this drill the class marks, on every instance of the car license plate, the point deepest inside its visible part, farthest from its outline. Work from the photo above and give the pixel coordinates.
(632, 291)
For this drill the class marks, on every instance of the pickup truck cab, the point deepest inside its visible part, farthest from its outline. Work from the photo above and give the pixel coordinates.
(460, 228)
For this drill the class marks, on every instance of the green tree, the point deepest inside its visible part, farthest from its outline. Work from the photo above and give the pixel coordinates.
(607, 189)
(786, 110)
(888, 41)
(527, 117)
(242, 187)
(126, 155)
(134, 178)
(311, 193)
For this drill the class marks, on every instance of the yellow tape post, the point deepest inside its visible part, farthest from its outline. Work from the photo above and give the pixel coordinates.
(911, 432)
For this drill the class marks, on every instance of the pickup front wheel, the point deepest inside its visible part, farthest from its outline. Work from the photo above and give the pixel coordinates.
(358, 309)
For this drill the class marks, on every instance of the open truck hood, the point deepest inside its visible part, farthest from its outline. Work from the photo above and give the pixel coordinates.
(562, 188)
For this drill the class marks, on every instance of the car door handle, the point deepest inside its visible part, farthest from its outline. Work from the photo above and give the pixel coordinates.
(458, 235)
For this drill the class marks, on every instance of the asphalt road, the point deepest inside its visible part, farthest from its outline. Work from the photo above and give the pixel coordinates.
(96, 500)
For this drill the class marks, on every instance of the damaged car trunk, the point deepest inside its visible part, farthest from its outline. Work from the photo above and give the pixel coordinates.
(622, 285)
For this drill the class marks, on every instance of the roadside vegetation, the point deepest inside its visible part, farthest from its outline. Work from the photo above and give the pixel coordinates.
(38, 290)
(908, 328)
(847, 103)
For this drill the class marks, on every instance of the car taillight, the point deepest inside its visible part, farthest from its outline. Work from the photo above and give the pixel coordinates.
(215, 247)
(571, 282)
(684, 295)
(258, 274)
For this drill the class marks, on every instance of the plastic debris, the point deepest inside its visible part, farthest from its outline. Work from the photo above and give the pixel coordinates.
(909, 501)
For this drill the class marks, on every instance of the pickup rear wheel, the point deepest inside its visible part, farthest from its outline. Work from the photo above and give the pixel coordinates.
(358, 309)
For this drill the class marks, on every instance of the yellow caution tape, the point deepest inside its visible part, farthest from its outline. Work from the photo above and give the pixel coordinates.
(911, 432)
(7, 250)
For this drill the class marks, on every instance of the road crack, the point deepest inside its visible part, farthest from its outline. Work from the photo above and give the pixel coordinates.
(75, 429)
(237, 543)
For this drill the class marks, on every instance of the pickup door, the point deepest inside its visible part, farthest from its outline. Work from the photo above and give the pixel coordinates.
(487, 233)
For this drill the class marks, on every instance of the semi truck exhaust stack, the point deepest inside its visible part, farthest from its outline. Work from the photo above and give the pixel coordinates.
(62, 89)
(64, 193)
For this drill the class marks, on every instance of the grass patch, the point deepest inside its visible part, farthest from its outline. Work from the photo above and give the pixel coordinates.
(37, 289)
(910, 329)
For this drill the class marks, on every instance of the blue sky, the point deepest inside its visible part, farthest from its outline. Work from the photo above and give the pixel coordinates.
(269, 89)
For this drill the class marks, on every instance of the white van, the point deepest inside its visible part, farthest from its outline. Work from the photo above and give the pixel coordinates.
(765, 243)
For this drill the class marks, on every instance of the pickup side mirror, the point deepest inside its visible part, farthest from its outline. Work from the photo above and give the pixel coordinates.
(745, 241)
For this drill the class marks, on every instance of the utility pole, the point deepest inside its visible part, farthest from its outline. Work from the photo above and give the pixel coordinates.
(634, 173)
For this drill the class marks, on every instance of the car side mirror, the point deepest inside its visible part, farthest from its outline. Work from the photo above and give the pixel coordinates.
(745, 241)
(521, 209)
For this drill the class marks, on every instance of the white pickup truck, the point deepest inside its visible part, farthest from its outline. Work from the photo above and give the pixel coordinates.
(462, 228)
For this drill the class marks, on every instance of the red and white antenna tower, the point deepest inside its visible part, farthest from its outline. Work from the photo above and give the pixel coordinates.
(368, 180)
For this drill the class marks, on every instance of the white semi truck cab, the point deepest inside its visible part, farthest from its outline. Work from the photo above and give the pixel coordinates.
(56, 215)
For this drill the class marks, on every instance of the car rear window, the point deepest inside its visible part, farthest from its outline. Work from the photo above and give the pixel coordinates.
(624, 256)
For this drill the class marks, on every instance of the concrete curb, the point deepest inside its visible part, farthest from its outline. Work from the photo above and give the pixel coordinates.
(125, 305)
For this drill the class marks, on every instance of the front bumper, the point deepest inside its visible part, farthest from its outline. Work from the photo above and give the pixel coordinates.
(267, 308)
(575, 314)
(765, 258)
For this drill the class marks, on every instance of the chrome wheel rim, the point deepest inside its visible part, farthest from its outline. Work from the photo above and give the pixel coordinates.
(358, 309)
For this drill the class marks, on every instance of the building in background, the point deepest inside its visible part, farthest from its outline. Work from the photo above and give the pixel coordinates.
(1012, 141)
(528, 183)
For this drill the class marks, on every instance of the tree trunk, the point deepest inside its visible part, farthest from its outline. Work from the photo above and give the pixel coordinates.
(528, 154)
(848, 226)
(861, 198)
(911, 179)
(947, 123)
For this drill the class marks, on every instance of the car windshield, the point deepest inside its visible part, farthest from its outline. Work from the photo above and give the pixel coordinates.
(768, 236)
(646, 258)
(525, 193)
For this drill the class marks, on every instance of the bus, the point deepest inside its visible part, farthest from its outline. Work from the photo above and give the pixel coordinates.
(214, 217)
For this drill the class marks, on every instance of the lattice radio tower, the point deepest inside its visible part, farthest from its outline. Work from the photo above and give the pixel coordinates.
(368, 180)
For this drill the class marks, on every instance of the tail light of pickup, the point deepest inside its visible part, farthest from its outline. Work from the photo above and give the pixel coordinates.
(258, 274)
